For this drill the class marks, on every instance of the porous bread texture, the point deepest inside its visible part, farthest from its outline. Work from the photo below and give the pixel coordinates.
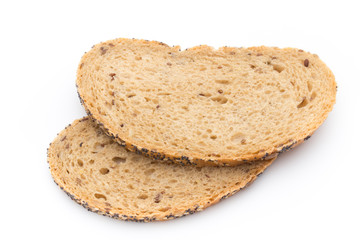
(204, 106)
(108, 179)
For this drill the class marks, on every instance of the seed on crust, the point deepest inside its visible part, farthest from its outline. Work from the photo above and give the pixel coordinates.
(306, 62)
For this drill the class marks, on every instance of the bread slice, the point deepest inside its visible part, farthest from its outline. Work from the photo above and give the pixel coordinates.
(205, 106)
(108, 179)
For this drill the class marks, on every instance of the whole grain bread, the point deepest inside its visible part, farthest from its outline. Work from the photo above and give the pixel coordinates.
(205, 106)
(108, 179)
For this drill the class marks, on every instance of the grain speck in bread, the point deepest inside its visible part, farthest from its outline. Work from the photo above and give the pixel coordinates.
(107, 179)
(205, 106)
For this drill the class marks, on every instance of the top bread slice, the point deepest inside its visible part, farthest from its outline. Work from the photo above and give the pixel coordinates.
(205, 106)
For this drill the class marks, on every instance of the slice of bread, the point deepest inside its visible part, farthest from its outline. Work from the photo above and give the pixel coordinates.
(205, 106)
(108, 179)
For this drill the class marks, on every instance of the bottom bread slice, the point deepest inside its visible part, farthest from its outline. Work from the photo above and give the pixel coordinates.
(105, 178)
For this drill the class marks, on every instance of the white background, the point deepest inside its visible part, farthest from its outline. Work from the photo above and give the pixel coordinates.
(311, 192)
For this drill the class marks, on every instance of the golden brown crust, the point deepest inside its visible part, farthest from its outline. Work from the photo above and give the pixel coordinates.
(194, 158)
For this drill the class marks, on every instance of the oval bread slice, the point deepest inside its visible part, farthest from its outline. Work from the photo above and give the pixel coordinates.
(108, 179)
(205, 106)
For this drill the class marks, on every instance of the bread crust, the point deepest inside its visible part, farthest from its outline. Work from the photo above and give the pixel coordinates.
(117, 214)
(194, 158)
